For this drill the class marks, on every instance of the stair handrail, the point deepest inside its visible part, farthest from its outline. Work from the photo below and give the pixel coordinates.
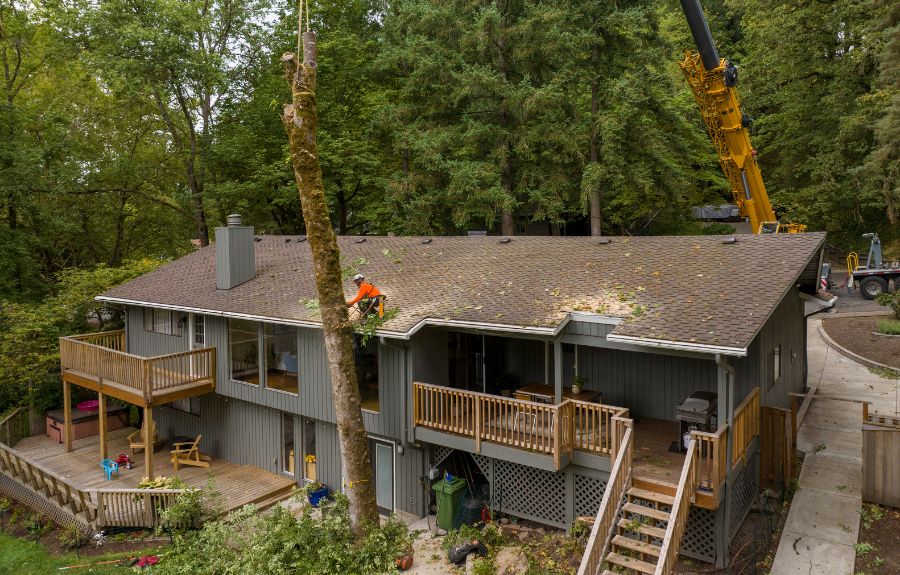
(687, 487)
(616, 487)
(18, 417)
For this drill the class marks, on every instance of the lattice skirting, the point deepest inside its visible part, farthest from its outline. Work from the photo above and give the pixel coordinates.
(699, 539)
(544, 496)
(744, 492)
(439, 453)
(15, 490)
(588, 494)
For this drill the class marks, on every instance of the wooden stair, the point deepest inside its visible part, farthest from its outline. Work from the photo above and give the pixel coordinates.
(635, 544)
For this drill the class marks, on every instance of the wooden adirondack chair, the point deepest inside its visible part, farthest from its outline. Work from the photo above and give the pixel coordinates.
(188, 453)
(137, 439)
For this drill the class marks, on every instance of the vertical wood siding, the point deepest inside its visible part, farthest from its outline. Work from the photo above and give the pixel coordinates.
(786, 327)
(235, 430)
(148, 343)
(649, 385)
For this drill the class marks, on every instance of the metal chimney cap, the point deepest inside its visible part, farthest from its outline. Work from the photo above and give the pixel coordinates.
(234, 220)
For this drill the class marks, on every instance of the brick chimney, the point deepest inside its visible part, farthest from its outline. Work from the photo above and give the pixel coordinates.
(235, 254)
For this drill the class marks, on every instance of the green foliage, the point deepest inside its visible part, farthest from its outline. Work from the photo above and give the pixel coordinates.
(24, 557)
(277, 543)
(870, 514)
(863, 549)
(483, 566)
(718, 229)
(191, 508)
(29, 346)
(162, 482)
(490, 535)
(891, 300)
(37, 525)
(71, 537)
(889, 326)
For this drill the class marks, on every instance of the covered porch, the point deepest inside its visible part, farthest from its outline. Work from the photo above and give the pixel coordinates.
(99, 362)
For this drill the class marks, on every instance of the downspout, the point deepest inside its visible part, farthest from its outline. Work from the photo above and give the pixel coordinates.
(407, 386)
(726, 381)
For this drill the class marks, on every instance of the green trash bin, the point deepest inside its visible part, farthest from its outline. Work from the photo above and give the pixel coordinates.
(449, 495)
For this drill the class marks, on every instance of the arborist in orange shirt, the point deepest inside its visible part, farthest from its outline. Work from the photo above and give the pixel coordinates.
(368, 297)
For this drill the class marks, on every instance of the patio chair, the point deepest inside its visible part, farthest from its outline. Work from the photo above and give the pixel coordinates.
(136, 440)
(188, 453)
(109, 466)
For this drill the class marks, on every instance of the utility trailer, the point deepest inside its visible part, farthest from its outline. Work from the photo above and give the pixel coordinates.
(874, 278)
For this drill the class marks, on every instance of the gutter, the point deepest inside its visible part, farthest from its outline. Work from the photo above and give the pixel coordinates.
(678, 346)
(823, 304)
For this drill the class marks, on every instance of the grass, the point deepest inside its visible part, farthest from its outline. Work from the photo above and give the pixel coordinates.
(24, 557)
(889, 326)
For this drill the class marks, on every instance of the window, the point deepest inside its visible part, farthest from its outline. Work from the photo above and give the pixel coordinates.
(776, 366)
(366, 359)
(309, 450)
(164, 321)
(199, 330)
(287, 434)
(243, 343)
(280, 343)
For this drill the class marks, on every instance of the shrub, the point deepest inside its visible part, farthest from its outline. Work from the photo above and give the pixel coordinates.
(889, 326)
(891, 300)
(191, 508)
(318, 542)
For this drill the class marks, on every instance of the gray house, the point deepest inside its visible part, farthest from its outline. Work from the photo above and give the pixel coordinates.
(475, 373)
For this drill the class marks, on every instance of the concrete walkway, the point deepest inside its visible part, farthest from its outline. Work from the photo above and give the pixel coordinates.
(823, 523)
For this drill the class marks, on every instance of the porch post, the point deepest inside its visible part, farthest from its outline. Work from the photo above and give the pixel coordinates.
(148, 442)
(67, 415)
(557, 372)
(104, 451)
(725, 409)
(546, 363)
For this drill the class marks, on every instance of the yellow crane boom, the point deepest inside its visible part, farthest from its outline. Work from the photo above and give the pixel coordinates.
(713, 81)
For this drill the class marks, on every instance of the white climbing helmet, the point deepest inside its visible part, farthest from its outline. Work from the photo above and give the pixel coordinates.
(358, 277)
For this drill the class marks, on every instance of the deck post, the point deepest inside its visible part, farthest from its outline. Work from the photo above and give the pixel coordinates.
(67, 414)
(101, 414)
(148, 442)
(557, 373)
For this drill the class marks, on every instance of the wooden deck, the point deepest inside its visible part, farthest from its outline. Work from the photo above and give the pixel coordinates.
(238, 484)
(652, 458)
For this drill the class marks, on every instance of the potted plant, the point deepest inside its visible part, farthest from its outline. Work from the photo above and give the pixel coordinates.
(316, 492)
(577, 383)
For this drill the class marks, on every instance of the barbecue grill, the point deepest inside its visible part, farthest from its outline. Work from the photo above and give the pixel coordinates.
(698, 408)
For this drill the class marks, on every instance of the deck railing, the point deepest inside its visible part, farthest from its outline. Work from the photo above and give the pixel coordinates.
(101, 355)
(50, 486)
(95, 508)
(14, 427)
(108, 339)
(550, 429)
(746, 425)
(684, 496)
(618, 484)
(711, 459)
(592, 426)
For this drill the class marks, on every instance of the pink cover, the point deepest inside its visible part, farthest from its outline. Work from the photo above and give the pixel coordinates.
(91, 405)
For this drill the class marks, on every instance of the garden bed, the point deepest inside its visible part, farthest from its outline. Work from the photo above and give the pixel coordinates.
(855, 334)
(878, 549)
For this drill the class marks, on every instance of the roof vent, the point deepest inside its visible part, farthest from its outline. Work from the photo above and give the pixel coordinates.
(730, 240)
(505, 240)
(604, 241)
(235, 253)
(360, 240)
(427, 241)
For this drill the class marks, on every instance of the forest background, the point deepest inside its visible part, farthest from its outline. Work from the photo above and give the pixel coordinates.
(129, 128)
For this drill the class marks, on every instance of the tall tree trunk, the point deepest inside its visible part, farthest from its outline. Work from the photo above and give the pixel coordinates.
(596, 195)
(300, 119)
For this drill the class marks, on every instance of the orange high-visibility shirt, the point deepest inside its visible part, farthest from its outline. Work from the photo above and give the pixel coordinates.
(366, 290)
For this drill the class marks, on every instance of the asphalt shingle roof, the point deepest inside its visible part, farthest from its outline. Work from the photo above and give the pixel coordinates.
(691, 289)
